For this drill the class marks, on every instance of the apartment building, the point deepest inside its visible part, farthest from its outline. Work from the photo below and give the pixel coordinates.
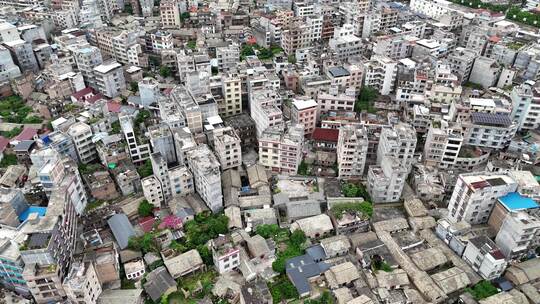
(10, 70)
(526, 106)
(181, 181)
(352, 151)
(336, 101)
(484, 257)
(11, 264)
(226, 144)
(82, 284)
(398, 141)
(442, 145)
(50, 244)
(380, 73)
(379, 19)
(227, 90)
(228, 57)
(475, 195)
(152, 191)
(225, 254)
(81, 134)
(385, 181)
(109, 78)
(304, 111)
(87, 58)
(161, 173)
(264, 110)
(122, 45)
(23, 55)
(489, 130)
(461, 62)
(138, 146)
(432, 9)
(169, 13)
(149, 91)
(159, 40)
(346, 77)
(485, 72)
(188, 108)
(206, 175)
(519, 234)
(281, 150)
(162, 141)
(344, 43)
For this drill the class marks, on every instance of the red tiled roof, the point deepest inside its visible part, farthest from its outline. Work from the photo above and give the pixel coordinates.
(94, 98)
(325, 134)
(494, 39)
(167, 91)
(78, 95)
(4, 142)
(26, 134)
(114, 107)
(147, 223)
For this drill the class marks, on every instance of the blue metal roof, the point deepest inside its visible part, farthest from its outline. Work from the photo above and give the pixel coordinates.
(32, 209)
(515, 201)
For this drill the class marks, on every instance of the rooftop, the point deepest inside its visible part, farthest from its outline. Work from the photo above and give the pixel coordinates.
(514, 201)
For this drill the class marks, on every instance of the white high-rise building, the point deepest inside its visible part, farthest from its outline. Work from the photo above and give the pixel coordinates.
(352, 151)
(281, 150)
(385, 182)
(162, 141)
(399, 142)
(381, 74)
(519, 234)
(81, 134)
(475, 194)
(109, 78)
(138, 146)
(264, 110)
(442, 145)
(226, 144)
(148, 91)
(526, 106)
(206, 175)
(87, 58)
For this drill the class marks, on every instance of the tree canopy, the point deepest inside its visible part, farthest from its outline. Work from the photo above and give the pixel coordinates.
(145, 208)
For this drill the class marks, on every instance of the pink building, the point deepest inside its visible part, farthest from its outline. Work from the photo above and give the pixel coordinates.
(304, 111)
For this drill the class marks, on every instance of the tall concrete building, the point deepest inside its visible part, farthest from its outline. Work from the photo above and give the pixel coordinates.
(23, 55)
(82, 283)
(138, 146)
(519, 235)
(304, 112)
(81, 134)
(161, 173)
(399, 142)
(381, 74)
(228, 57)
(475, 195)
(442, 146)
(352, 151)
(169, 13)
(109, 78)
(162, 141)
(87, 58)
(280, 150)
(9, 69)
(206, 175)
(385, 182)
(148, 91)
(526, 106)
(226, 144)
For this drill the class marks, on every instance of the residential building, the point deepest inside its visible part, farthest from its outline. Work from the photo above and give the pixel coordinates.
(162, 141)
(526, 106)
(87, 58)
(206, 175)
(225, 254)
(82, 283)
(226, 144)
(518, 235)
(352, 151)
(10, 70)
(81, 134)
(475, 195)
(485, 72)
(442, 145)
(380, 73)
(181, 181)
(169, 12)
(152, 191)
(228, 57)
(109, 78)
(385, 181)
(138, 147)
(159, 40)
(23, 55)
(264, 110)
(336, 101)
(304, 112)
(484, 257)
(280, 150)
(398, 142)
(489, 130)
(344, 43)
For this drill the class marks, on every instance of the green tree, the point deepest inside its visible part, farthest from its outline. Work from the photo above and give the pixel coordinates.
(134, 86)
(291, 59)
(145, 208)
(303, 168)
(247, 50)
(11, 133)
(350, 190)
(267, 230)
(128, 8)
(366, 99)
(115, 127)
(184, 16)
(8, 160)
(192, 45)
(482, 290)
(265, 54)
(165, 71)
(298, 238)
